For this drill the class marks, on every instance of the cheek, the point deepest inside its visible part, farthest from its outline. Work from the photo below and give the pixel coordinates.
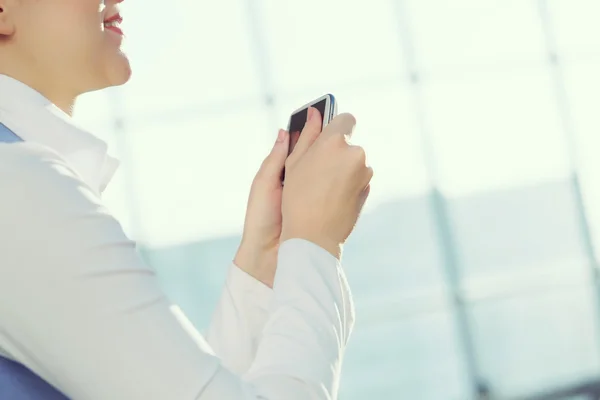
(75, 46)
(74, 25)
(72, 37)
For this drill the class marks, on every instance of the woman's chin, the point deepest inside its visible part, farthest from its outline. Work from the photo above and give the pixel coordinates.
(120, 71)
(116, 73)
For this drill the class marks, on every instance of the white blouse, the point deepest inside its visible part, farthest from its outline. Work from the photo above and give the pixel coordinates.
(79, 307)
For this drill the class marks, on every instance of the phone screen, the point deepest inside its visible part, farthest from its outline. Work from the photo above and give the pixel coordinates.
(298, 120)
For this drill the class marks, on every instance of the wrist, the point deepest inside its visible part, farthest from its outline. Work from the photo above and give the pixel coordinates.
(257, 262)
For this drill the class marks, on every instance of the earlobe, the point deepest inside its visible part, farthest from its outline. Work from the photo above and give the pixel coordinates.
(6, 26)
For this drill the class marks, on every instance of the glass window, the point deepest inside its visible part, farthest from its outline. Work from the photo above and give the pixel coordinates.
(512, 231)
(192, 178)
(312, 43)
(467, 34)
(583, 89)
(188, 55)
(394, 251)
(415, 357)
(536, 341)
(495, 133)
(577, 29)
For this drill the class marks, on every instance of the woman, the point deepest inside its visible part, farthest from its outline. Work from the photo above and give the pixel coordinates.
(78, 308)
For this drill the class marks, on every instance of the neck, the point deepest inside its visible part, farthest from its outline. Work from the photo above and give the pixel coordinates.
(60, 98)
(44, 84)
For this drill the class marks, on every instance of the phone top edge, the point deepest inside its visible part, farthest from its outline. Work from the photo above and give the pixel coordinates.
(330, 100)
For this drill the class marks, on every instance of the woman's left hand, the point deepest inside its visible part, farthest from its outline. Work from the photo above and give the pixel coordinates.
(257, 254)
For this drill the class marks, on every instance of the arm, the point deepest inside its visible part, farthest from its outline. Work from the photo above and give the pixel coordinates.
(109, 331)
(239, 319)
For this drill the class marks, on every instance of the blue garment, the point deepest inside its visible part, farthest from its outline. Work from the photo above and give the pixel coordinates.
(16, 381)
(7, 136)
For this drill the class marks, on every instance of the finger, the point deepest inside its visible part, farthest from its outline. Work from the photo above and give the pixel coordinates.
(310, 133)
(272, 166)
(342, 124)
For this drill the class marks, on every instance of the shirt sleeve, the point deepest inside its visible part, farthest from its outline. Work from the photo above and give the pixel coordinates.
(239, 319)
(79, 307)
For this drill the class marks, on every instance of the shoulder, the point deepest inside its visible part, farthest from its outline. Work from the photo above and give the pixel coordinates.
(28, 160)
(31, 166)
(48, 215)
(37, 186)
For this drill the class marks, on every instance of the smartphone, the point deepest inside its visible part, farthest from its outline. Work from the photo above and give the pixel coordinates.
(326, 105)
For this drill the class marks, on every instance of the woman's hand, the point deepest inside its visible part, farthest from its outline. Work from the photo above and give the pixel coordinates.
(257, 254)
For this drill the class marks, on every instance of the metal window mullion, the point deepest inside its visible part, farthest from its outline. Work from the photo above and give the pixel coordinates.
(569, 130)
(445, 231)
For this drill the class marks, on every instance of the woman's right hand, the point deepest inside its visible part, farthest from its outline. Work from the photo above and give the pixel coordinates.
(327, 183)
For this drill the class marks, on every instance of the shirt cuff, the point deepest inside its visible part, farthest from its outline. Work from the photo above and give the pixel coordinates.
(239, 319)
(311, 318)
(247, 288)
(306, 267)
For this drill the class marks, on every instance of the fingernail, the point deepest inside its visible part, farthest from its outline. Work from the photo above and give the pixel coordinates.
(315, 115)
(310, 113)
(281, 136)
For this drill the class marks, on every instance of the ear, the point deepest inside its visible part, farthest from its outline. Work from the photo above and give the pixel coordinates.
(7, 26)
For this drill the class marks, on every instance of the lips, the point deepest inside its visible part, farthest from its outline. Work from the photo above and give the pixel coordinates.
(115, 18)
(112, 23)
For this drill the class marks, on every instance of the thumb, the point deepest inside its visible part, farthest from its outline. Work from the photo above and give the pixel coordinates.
(273, 165)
